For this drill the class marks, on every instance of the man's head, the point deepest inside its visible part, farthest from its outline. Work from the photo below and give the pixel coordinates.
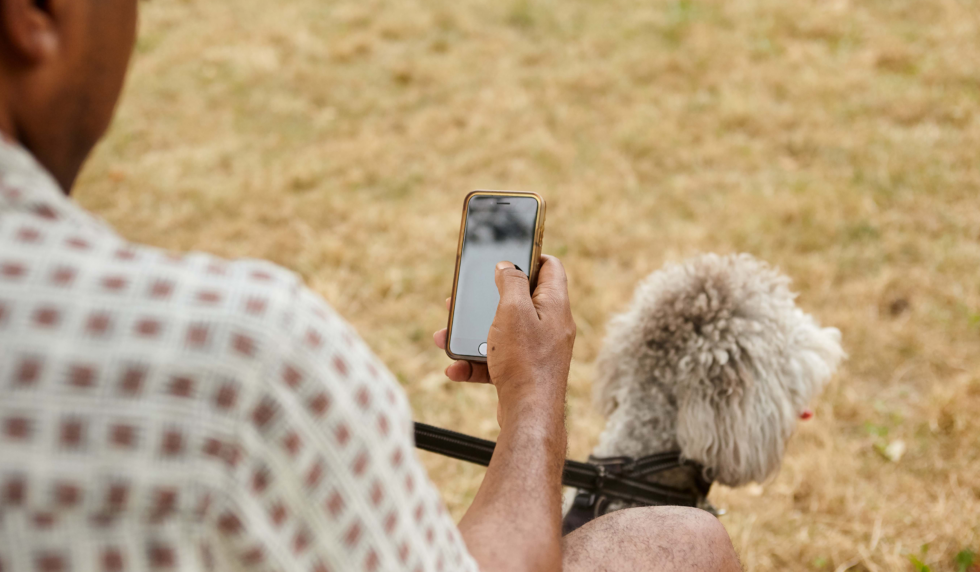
(62, 66)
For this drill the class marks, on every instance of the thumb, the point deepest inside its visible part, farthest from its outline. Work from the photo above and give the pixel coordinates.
(512, 284)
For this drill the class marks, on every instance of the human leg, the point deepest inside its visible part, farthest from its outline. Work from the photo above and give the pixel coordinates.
(654, 539)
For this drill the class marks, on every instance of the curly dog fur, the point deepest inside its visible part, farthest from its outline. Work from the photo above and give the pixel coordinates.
(713, 358)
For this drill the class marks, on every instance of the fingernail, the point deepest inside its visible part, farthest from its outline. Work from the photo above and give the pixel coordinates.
(446, 371)
(504, 265)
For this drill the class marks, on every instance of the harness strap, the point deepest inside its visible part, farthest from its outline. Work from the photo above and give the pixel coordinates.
(656, 463)
(612, 478)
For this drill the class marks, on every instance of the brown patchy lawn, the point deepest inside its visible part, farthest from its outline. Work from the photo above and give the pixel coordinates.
(838, 139)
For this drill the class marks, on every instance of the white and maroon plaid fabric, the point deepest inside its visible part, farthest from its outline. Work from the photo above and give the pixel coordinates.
(182, 412)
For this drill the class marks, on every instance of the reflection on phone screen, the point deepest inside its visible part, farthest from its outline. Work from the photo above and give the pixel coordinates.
(498, 228)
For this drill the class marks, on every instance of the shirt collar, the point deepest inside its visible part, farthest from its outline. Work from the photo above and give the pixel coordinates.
(27, 187)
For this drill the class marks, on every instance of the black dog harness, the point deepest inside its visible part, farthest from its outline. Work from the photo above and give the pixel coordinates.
(599, 481)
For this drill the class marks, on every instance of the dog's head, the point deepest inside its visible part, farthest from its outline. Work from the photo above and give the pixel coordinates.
(723, 338)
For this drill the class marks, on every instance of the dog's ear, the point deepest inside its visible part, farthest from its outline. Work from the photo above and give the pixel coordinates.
(725, 336)
(616, 366)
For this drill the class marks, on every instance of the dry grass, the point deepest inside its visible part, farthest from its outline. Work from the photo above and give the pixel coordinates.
(838, 139)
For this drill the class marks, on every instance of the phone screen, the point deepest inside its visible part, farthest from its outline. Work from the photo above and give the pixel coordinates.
(498, 228)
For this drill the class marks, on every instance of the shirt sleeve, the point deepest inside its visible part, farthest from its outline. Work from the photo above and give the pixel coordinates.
(328, 478)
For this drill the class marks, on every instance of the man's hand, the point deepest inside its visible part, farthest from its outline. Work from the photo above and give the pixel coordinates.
(529, 347)
(514, 523)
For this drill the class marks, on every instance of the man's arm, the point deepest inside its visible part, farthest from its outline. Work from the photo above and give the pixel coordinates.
(514, 523)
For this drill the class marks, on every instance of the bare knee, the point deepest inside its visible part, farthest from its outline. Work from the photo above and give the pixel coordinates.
(654, 539)
(714, 548)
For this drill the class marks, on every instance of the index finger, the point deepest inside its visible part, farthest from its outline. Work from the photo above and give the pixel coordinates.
(552, 282)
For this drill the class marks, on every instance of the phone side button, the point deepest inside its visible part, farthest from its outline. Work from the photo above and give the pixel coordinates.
(483, 349)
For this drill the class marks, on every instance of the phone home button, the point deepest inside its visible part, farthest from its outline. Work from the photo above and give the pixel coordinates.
(483, 349)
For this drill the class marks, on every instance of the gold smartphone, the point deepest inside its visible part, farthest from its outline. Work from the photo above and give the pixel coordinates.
(497, 226)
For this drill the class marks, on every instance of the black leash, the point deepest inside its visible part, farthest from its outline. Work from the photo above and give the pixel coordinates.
(616, 478)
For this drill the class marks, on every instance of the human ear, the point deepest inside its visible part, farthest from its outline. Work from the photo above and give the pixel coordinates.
(29, 29)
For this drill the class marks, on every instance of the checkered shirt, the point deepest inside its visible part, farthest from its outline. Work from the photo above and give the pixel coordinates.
(164, 411)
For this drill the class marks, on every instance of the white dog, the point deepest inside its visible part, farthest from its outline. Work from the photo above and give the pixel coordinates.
(712, 359)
